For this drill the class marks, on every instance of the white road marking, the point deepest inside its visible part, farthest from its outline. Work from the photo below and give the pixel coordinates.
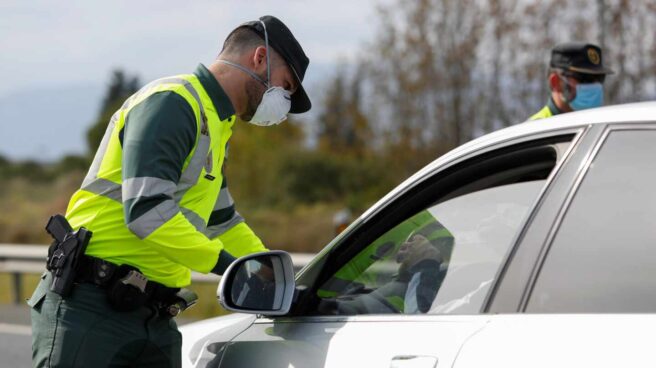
(15, 329)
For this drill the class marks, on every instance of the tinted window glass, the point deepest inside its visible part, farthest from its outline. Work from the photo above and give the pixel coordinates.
(603, 258)
(442, 260)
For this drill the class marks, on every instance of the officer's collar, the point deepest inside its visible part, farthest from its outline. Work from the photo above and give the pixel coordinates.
(552, 107)
(219, 98)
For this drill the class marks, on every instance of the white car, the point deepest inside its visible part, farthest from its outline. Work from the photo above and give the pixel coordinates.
(533, 246)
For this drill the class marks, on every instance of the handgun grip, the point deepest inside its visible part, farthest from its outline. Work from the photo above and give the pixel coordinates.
(58, 227)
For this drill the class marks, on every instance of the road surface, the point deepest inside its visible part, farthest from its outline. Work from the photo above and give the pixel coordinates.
(15, 337)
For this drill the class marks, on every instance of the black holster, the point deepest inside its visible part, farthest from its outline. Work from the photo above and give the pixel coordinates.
(64, 253)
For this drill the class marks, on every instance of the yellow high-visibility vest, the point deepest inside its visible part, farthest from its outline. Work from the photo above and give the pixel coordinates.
(171, 239)
(544, 113)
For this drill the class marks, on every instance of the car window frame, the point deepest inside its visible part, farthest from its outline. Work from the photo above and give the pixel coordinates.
(355, 231)
(514, 278)
(602, 135)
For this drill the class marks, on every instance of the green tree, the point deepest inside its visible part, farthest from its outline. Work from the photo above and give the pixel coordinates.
(313, 176)
(70, 163)
(121, 86)
(253, 166)
(343, 126)
(423, 69)
(32, 170)
(5, 168)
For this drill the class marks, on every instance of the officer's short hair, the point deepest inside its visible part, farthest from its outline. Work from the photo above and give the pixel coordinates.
(244, 39)
(240, 40)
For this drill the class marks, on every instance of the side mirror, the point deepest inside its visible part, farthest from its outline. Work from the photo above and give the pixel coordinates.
(259, 283)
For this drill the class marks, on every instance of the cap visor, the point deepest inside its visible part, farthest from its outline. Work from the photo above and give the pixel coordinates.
(300, 101)
(591, 71)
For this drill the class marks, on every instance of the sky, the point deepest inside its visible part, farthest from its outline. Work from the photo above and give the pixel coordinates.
(56, 57)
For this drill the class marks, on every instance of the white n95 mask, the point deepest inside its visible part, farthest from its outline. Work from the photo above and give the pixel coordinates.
(273, 108)
(275, 104)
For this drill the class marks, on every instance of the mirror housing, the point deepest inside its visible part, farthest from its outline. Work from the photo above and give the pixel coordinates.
(259, 283)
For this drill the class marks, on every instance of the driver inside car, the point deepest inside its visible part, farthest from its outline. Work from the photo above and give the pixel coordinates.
(419, 269)
(412, 290)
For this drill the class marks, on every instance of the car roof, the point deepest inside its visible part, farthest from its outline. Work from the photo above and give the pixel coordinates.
(621, 114)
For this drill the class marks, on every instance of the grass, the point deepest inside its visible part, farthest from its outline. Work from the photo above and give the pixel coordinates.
(25, 207)
(7, 292)
(303, 229)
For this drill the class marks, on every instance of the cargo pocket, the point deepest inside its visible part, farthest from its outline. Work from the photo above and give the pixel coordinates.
(40, 292)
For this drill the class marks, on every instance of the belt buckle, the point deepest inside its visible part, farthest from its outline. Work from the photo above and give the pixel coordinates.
(135, 279)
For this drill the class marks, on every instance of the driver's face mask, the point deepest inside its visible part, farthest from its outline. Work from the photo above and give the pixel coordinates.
(276, 101)
(588, 95)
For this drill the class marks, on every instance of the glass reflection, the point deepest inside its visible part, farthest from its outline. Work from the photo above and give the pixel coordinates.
(254, 286)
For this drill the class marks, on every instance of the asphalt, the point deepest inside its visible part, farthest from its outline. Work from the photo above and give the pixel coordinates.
(15, 336)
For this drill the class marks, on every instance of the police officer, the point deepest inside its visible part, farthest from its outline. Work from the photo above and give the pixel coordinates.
(576, 79)
(157, 203)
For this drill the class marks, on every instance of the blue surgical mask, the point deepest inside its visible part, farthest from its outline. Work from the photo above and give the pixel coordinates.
(588, 95)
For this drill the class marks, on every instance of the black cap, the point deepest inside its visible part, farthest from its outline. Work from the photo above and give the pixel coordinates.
(578, 57)
(283, 41)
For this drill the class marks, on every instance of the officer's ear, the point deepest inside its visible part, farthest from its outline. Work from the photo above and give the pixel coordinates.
(259, 57)
(555, 83)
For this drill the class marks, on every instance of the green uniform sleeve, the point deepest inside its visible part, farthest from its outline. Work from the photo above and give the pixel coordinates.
(158, 136)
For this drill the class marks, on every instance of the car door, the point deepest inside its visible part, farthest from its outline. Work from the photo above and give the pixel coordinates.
(405, 287)
(590, 301)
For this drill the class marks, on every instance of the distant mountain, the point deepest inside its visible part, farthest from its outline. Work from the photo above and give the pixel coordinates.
(46, 124)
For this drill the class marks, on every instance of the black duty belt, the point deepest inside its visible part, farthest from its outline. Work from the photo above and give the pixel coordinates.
(104, 274)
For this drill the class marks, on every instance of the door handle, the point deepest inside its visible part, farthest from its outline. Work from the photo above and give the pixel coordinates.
(414, 361)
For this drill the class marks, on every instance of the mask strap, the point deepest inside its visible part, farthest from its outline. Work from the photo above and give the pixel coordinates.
(568, 88)
(266, 44)
(243, 69)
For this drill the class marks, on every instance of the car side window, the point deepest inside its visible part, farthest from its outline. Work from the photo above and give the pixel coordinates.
(442, 259)
(603, 257)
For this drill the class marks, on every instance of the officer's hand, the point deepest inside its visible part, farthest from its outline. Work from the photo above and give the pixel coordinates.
(414, 251)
